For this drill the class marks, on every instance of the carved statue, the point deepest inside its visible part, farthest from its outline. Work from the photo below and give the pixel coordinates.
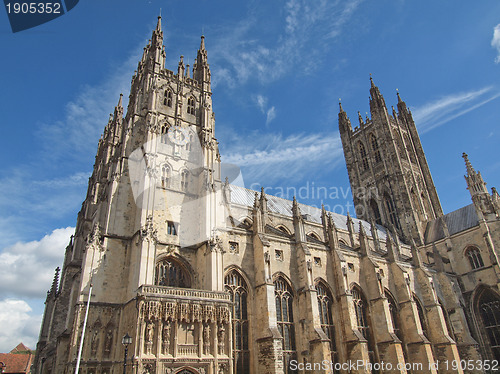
(206, 339)
(150, 329)
(166, 336)
(221, 336)
(108, 342)
(94, 343)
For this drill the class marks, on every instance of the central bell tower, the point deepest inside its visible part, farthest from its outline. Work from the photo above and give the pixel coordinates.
(388, 172)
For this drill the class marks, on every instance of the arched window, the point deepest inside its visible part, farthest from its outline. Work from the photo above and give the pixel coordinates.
(364, 158)
(237, 287)
(393, 309)
(189, 145)
(421, 316)
(170, 273)
(391, 210)
(184, 180)
(283, 229)
(325, 302)
(375, 211)
(164, 137)
(165, 176)
(361, 308)
(191, 105)
(488, 306)
(375, 148)
(409, 148)
(284, 315)
(474, 256)
(314, 236)
(167, 99)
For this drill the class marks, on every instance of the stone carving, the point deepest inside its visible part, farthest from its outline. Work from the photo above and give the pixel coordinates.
(166, 337)
(150, 331)
(206, 339)
(94, 345)
(108, 342)
(221, 337)
(94, 239)
(148, 232)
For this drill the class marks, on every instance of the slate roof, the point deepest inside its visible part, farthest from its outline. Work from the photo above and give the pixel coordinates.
(245, 197)
(456, 221)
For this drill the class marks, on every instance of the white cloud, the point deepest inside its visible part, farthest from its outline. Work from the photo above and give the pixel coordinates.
(447, 108)
(267, 158)
(307, 31)
(495, 42)
(19, 324)
(85, 117)
(261, 102)
(270, 115)
(27, 268)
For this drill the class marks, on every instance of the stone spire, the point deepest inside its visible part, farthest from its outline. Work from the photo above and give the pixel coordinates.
(201, 70)
(344, 122)
(475, 183)
(377, 101)
(483, 201)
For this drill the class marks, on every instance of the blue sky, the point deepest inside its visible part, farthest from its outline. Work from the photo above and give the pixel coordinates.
(279, 68)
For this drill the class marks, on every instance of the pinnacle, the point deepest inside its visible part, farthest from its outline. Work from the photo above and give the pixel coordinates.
(468, 165)
(158, 25)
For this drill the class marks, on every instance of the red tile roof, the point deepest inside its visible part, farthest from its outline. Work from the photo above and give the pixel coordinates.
(18, 361)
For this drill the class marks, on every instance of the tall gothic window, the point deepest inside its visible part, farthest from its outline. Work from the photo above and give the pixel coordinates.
(421, 316)
(375, 148)
(170, 273)
(361, 308)
(325, 301)
(391, 210)
(284, 313)
(184, 180)
(488, 306)
(474, 256)
(191, 105)
(165, 176)
(393, 309)
(237, 287)
(375, 211)
(167, 99)
(362, 153)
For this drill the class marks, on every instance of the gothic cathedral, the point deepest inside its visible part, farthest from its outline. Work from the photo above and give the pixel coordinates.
(207, 277)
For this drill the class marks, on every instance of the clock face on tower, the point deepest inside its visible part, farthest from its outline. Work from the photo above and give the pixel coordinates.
(178, 135)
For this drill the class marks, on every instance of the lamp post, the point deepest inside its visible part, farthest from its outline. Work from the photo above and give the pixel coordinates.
(2, 367)
(126, 340)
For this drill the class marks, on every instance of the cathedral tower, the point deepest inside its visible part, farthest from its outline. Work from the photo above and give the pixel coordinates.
(389, 176)
(150, 218)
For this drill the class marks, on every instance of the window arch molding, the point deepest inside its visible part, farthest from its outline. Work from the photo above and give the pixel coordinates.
(326, 306)
(473, 254)
(183, 265)
(422, 317)
(284, 296)
(236, 284)
(284, 229)
(191, 105)
(314, 235)
(486, 311)
(242, 273)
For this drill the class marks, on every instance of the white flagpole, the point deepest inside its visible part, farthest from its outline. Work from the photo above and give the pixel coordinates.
(83, 331)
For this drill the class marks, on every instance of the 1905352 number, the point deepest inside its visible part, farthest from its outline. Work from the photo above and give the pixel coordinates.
(34, 8)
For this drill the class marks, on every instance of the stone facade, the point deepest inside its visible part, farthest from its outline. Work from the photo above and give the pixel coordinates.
(208, 277)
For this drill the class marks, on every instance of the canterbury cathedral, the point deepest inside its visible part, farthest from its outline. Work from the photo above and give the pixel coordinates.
(175, 268)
